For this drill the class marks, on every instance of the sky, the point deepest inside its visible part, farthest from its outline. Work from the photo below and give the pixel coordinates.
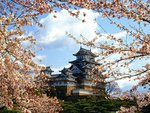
(58, 48)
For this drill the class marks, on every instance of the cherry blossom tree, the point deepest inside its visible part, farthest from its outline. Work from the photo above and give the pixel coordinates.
(17, 86)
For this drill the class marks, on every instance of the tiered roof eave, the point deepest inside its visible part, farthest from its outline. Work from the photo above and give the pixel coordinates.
(83, 51)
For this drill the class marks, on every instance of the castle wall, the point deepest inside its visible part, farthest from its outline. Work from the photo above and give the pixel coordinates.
(69, 90)
(65, 90)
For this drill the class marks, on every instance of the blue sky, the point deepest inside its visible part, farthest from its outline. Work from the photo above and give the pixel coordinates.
(59, 48)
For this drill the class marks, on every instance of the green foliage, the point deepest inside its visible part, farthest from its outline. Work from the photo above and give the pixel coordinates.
(59, 94)
(95, 105)
(9, 111)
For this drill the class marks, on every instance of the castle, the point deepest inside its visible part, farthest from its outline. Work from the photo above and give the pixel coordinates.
(81, 78)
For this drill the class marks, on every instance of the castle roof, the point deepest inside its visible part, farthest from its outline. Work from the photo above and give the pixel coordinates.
(86, 61)
(66, 70)
(84, 51)
(49, 69)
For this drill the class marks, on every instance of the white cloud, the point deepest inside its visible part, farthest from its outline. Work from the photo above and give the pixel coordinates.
(103, 38)
(53, 34)
(127, 84)
(55, 29)
(40, 57)
(25, 43)
(120, 35)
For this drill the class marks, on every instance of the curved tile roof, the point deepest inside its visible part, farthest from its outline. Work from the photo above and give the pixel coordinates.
(84, 51)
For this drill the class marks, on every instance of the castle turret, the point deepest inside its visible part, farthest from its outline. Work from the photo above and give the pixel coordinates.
(48, 71)
(82, 69)
(84, 63)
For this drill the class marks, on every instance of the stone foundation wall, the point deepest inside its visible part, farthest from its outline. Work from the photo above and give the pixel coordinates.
(69, 90)
(89, 88)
